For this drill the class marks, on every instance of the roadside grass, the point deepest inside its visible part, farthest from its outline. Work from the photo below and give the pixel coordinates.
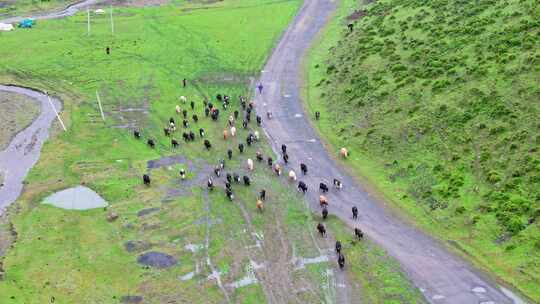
(17, 113)
(461, 166)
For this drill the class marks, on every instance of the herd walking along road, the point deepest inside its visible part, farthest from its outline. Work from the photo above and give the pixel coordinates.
(440, 275)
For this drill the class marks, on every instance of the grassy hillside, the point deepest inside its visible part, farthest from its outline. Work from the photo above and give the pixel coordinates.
(80, 257)
(438, 101)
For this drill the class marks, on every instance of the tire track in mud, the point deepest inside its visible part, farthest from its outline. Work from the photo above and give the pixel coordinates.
(215, 274)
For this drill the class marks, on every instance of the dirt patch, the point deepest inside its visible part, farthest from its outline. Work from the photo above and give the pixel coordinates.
(157, 260)
(137, 246)
(169, 161)
(18, 111)
(356, 15)
(147, 211)
(131, 299)
(224, 79)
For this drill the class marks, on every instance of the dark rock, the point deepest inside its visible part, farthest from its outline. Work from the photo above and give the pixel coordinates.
(132, 299)
(113, 216)
(157, 260)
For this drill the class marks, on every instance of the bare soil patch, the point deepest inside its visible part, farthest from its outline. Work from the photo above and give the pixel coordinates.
(17, 112)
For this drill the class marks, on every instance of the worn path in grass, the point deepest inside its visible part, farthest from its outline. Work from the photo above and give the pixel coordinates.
(24, 149)
(442, 276)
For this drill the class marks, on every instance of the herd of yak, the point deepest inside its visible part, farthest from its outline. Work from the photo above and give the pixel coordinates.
(210, 110)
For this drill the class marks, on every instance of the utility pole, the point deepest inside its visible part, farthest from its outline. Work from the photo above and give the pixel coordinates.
(88, 21)
(54, 109)
(112, 22)
(100, 108)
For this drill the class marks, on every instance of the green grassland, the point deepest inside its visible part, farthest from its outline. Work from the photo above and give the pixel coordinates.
(438, 102)
(81, 257)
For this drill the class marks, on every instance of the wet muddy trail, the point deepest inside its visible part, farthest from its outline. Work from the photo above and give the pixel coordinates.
(24, 149)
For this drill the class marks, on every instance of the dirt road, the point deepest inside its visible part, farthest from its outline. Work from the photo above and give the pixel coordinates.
(440, 275)
(68, 11)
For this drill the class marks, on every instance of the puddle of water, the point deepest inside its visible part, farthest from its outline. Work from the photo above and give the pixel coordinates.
(479, 289)
(438, 297)
(245, 281)
(300, 263)
(188, 276)
(76, 198)
(194, 247)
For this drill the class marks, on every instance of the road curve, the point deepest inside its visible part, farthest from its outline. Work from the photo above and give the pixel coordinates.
(439, 274)
(24, 149)
(68, 11)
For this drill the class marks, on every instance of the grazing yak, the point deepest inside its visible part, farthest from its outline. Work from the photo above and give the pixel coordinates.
(302, 186)
(146, 179)
(323, 187)
(338, 247)
(321, 229)
(241, 148)
(247, 182)
(201, 132)
(151, 143)
(233, 131)
(358, 233)
(259, 156)
(323, 201)
(260, 206)
(337, 183)
(210, 184)
(284, 149)
(292, 175)
(229, 194)
(225, 134)
(229, 154)
(183, 99)
(236, 178)
(344, 152)
(354, 212)
(207, 144)
(286, 158)
(195, 118)
(262, 194)
(250, 164)
(277, 169)
(182, 173)
(303, 168)
(341, 261)
(259, 120)
(178, 110)
(137, 134)
(269, 162)
(324, 213)
(174, 143)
